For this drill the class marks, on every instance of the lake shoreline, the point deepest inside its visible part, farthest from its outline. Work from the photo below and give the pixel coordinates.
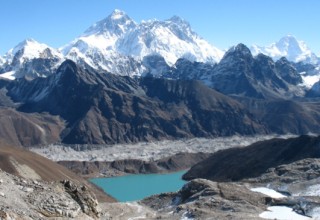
(98, 169)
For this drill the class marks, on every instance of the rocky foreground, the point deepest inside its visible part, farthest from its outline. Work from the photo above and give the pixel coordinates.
(298, 184)
(31, 199)
(22, 198)
(287, 185)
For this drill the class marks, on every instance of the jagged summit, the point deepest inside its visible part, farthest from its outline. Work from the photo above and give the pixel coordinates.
(24, 43)
(30, 59)
(178, 20)
(235, 53)
(117, 14)
(27, 49)
(289, 47)
(117, 23)
(240, 48)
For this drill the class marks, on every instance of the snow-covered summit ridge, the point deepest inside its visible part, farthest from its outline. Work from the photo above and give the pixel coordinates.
(29, 49)
(30, 59)
(171, 39)
(289, 47)
(117, 23)
(118, 35)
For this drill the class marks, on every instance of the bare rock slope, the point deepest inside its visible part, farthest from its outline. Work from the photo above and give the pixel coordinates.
(26, 164)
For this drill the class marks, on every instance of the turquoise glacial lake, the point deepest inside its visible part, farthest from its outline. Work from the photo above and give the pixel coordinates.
(136, 187)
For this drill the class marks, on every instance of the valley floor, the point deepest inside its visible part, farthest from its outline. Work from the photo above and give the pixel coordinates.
(147, 151)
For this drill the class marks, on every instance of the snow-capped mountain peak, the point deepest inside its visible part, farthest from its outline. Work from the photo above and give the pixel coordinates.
(30, 59)
(171, 39)
(117, 23)
(30, 49)
(179, 21)
(117, 14)
(289, 47)
(99, 40)
(117, 40)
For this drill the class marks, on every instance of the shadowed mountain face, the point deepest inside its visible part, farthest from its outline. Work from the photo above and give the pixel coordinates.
(240, 163)
(105, 108)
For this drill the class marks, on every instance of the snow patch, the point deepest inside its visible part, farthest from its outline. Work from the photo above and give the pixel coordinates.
(186, 216)
(8, 75)
(309, 80)
(315, 213)
(282, 213)
(269, 192)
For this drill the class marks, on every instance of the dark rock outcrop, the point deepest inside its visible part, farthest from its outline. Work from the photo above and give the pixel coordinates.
(86, 200)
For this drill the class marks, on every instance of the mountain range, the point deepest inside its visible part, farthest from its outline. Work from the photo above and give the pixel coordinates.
(82, 106)
(119, 45)
(123, 82)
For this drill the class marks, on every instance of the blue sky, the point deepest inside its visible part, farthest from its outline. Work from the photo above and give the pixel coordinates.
(221, 22)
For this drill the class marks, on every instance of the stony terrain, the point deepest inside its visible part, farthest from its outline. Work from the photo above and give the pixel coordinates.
(28, 165)
(89, 169)
(35, 199)
(198, 199)
(296, 177)
(152, 157)
(293, 173)
(146, 150)
(205, 199)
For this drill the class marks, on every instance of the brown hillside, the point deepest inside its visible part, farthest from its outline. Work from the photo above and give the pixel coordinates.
(24, 163)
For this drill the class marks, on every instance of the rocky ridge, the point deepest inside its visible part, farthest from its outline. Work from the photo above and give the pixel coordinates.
(232, 164)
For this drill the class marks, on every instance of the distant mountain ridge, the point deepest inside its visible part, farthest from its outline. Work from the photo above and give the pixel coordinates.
(119, 45)
(289, 47)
